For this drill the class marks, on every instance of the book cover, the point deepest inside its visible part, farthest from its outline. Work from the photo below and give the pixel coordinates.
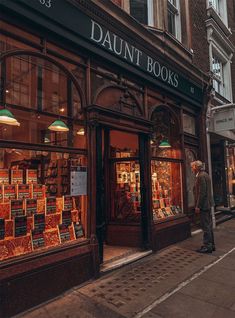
(30, 206)
(23, 191)
(66, 218)
(31, 176)
(64, 233)
(50, 205)
(9, 228)
(38, 191)
(53, 220)
(38, 240)
(16, 176)
(20, 226)
(41, 206)
(2, 229)
(67, 202)
(78, 229)
(5, 210)
(4, 176)
(52, 237)
(39, 223)
(17, 208)
(9, 192)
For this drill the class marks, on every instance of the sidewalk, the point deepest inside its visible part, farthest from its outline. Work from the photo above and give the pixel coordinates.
(175, 282)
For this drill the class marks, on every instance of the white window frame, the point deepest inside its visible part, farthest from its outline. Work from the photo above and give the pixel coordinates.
(176, 9)
(224, 81)
(150, 16)
(220, 7)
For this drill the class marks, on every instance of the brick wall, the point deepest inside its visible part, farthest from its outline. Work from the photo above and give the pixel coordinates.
(198, 34)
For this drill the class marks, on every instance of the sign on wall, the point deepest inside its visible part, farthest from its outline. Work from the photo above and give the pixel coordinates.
(224, 120)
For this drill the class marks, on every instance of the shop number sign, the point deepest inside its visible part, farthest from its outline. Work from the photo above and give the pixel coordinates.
(46, 3)
(79, 181)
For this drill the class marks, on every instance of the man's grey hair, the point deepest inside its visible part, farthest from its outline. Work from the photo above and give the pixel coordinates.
(198, 164)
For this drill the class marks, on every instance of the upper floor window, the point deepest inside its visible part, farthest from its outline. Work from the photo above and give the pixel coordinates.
(215, 4)
(221, 75)
(142, 10)
(217, 69)
(220, 7)
(173, 16)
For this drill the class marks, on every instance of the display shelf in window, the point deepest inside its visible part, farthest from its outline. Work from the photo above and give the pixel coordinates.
(166, 189)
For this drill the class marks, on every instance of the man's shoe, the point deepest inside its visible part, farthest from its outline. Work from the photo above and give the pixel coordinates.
(204, 250)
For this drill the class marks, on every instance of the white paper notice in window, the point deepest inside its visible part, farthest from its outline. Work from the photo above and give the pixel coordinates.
(78, 181)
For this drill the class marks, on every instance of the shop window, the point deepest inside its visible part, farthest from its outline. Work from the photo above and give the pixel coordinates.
(123, 144)
(231, 175)
(189, 124)
(166, 189)
(125, 203)
(125, 197)
(43, 200)
(166, 164)
(173, 16)
(38, 84)
(142, 11)
(166, 131)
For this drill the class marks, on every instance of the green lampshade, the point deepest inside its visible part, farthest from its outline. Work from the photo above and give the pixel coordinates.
(6, 117)
(58, 125)
(164, 144)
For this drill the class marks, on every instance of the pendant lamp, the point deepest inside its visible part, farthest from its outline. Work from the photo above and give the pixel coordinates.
(81, 132)
(6, 117)
(58, 125)
(164, 144)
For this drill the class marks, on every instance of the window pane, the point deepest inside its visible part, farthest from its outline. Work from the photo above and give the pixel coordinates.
(166, 189)
(166, 136)
(34, 129)
(189, 124)
(139, 10)
(125, 192)
(123, 144)
(41, 204)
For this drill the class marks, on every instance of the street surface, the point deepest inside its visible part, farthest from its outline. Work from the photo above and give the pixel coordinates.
(175, 282)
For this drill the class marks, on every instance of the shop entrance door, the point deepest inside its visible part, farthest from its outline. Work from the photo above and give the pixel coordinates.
(121, 219)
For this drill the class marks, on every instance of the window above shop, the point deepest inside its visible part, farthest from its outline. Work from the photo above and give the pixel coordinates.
(217, 9)
(221, 71)
(165, 141)
(173, 18)
(142, 11)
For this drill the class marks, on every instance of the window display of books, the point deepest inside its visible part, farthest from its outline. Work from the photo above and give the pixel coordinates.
(30, 220)
(165, 202)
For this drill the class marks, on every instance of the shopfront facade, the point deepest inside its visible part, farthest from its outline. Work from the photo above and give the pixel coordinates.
(119, 176)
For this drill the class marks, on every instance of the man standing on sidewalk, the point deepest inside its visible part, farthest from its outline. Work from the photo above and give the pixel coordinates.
(203, 204)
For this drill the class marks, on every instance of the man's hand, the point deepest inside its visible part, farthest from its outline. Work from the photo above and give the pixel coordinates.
(197, 210)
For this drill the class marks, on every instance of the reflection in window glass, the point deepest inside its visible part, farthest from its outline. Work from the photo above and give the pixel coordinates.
(43, 200)
(166, 189)
(189, 124)
(34, 129)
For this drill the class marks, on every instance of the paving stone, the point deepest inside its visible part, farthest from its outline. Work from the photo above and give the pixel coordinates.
(223, 276)
(212, 292)
(183, 306)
